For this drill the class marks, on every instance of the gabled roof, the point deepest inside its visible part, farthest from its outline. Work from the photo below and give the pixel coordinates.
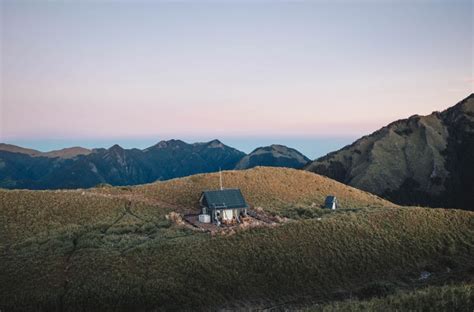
(224, 199)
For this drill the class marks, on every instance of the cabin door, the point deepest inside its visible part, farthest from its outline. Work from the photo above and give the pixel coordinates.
(227, 214)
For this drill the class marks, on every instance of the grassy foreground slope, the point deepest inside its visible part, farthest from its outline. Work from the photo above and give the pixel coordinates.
(447, 298)
(114, 249)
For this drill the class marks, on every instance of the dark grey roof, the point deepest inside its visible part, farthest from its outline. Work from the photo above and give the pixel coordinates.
(330, 200)
(222, 199)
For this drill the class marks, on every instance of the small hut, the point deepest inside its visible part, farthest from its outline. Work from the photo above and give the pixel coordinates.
(331, 202)
(223, 206)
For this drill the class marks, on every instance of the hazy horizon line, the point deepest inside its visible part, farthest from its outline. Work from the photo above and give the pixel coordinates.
(310, 146)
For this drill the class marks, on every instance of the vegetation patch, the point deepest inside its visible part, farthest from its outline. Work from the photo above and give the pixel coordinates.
(446, 298)
(137, 263)
(114, 249)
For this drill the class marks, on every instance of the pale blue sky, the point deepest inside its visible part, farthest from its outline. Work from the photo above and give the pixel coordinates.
(131, 70)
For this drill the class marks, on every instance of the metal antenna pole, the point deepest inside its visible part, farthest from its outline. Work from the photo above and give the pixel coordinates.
(220, 178)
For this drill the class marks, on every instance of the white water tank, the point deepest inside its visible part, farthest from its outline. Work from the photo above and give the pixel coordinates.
(204, 218)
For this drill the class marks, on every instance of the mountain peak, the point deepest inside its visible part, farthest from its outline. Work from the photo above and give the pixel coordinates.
(279, 147)
(69, 152)
(421, 160)
(274, 155)
(17, 149)
(466, 105)
(65, 153)
(173, 143)
(215, 144)
(116, 148)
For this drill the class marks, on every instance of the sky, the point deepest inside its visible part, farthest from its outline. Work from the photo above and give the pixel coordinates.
(311, 74)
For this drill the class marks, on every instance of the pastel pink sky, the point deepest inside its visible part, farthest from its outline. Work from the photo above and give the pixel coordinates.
(127, 69)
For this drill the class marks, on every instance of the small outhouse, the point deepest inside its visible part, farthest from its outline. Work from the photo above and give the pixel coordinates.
(330, 202)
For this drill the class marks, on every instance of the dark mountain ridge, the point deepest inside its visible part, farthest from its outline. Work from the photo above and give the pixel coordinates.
(69, 152)
(30, 169)
(422, 160)
(273, 156)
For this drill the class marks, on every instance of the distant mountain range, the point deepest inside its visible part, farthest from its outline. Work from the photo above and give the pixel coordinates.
(65, 153)
(82, 168)
(422, 160)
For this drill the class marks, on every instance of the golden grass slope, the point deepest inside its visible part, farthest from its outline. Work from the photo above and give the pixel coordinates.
(26, 213)
(30, 212)
(262, 186)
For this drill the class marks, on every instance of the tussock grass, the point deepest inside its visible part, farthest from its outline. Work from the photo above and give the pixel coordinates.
(27, 213)
(263, 186)
(149, 267)
(279, 190)
(447, 298)
(114, 249)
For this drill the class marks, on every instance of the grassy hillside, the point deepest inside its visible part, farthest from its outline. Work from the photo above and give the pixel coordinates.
(277, 190)
(114, 248)
(447, 298)
(262, 186)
